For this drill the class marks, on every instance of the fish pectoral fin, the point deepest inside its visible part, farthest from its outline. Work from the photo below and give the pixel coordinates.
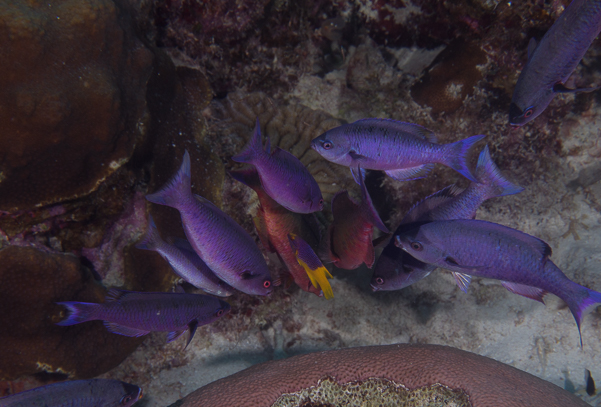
(173, 335)
(115, 294)
(407, 174)
(192, 328)
(527, 291)
(124, 330)
(356, 156)
(358, 174)
(462, 280)
(561, 88)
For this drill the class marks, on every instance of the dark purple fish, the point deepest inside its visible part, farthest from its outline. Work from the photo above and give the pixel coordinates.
(226, 248)
(395, 268)
(184, 261)
(350, 234)
(283, 177)
(405, 151)
(553, 59)
(77, 393)
(483, 249)
(132, 313)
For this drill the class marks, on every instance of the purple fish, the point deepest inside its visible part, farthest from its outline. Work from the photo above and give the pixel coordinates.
(184, 261)
(283, 177)
(552, 61)
(77, 393)
(309, 261)
(395, 268)
(405, 151)
(227, 249)
(477, 248)
(350, 234)
(132, 313)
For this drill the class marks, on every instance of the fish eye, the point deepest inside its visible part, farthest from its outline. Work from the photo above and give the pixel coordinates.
(126, 399)
(417, 246)
(529, 112)
(327, 145)
(220, 313)
(266, 283)
(379, 281)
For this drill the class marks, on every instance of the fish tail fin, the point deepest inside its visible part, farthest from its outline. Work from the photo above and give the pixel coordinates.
(177, 190)
(78, 312)
(253, 149)
(456, 158)
(579, 303)
(319, 279)
(151, 240)
(487, 173)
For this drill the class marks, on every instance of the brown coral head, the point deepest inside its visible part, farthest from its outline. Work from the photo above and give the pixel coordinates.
(453, 77)
(405, 374)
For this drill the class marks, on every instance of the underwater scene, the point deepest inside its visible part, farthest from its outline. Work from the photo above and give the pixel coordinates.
(300, 203)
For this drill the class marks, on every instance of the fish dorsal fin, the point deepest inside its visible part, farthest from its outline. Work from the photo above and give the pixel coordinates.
(561, 88)
(527, 291)
(532, 44)
(124, 330)
(182, 244)
(412, 173)
(114, 294)
(421, 209)
(248, 176)
(462, 280)
(206, 202)
(411, 128)
(368, 210)
(173, 335)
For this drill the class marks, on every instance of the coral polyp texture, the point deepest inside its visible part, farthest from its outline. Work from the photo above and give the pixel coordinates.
(392, 375)
(71, 108)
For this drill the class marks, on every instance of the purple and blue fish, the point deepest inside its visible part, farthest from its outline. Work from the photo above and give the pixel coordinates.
(552, 61)
(349, 240)
(184, 261)
(404, 151)
(77, 393)
(470, 247)
(395, 268)
(226, 248)
(283, 177)
(133, 313)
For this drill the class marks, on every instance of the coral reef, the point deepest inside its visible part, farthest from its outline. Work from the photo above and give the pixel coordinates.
(353, 376)
(72, 111)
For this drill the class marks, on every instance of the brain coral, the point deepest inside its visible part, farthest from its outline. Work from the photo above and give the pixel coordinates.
(72, 97)
(392, 375)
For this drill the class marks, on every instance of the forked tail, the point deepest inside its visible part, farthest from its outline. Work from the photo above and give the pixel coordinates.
(488, 174)
(457, 153)
(177, 190)
(78, 312)
(582, 299)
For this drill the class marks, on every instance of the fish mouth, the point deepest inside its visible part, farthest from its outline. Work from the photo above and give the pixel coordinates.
(375, 288)
(514, 114)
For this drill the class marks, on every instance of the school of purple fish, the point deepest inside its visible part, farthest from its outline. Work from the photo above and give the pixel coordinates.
(219, 257)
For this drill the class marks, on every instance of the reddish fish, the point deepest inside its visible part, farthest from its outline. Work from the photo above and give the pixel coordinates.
(350, 234)
(274, 223)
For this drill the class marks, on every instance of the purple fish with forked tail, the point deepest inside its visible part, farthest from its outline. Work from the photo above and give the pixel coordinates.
(227, 249)
(283, 177)
(553, 59)
(132, 313)
(184, 261)
(349, 240)
(405, 151)
(395, 268)
(77, 393)
(484, 249)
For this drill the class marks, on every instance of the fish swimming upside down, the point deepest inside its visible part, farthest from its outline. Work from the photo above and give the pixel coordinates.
(132, 313)
(405, 151)
(552, 61)
(484, 249)
(314, 268)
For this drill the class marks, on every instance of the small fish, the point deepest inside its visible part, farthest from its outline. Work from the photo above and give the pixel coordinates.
(405, 151)
(552, 61)
(395, 268)
(483, 249)
(132, 313)
(307, 258)
(226, 248)
(350, 234)
(283, 177)
(274, 222)
(77, 393)
(184, 261)
(590, 383)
